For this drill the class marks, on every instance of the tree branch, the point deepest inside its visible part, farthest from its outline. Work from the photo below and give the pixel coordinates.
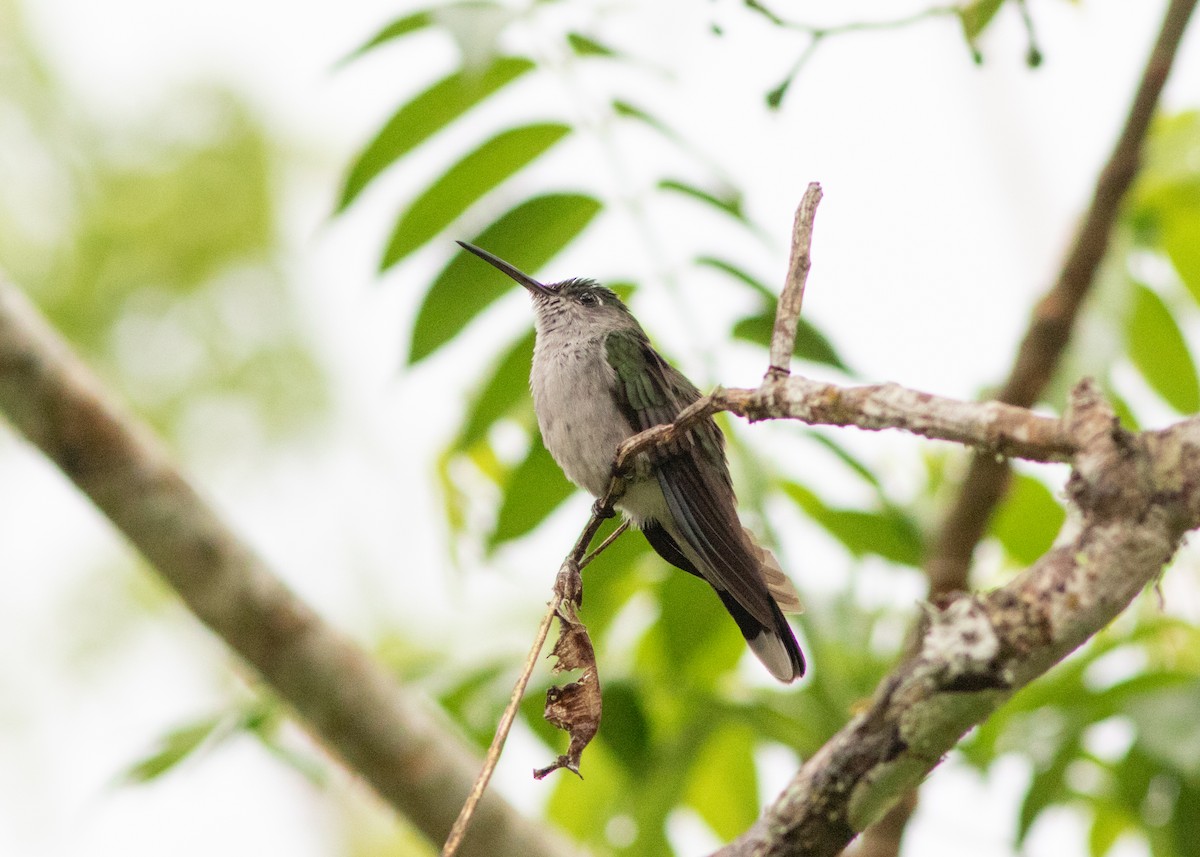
(1137, 496)
(992, 427)
(390, 738)
(787, 317)
(1054, 316)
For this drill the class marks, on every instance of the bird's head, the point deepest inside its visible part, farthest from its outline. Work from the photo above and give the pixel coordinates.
(575, 304)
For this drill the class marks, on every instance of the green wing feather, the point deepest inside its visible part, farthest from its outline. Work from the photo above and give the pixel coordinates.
(692, 473)
(652, 392)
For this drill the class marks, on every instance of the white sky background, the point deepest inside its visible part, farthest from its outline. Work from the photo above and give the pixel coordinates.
(950, 194)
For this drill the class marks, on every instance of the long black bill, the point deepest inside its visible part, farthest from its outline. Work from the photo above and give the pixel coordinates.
(496, 262)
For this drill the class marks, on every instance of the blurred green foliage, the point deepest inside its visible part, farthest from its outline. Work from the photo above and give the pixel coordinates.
(153, 244)
(1140, 683)
(260, 715)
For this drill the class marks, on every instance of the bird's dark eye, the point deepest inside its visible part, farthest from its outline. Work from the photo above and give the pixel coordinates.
(589, 299)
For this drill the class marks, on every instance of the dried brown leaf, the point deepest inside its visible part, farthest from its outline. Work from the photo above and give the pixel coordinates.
(575, 707)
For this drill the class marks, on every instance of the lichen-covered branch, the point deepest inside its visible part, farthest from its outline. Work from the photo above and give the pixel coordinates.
(993, 427)
(350, 703)
(1137, 496)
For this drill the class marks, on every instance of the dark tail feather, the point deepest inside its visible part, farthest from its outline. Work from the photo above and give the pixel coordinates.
(776, 647)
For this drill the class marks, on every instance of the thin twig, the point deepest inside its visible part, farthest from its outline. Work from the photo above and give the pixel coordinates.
(567, 588)
(787, 316)
(820, 32)
(817, 34)
(612, 537)
(506, 721)
(1033, 54)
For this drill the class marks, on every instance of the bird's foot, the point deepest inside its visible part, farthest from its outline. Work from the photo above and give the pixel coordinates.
(603, 510)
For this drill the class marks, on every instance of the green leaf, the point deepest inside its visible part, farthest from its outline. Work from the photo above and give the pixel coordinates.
(475, 699)
(1181, 241)
(583, 808)
(723, 786)
(1170, 163)
(889, 533)
(1148, 685)
(811, 344)
(850, 460)
(176, 746)
(527, 236)
(504, 390)
(756, 328)
(396, 29)
(976, 16)
(626, 726)
(1109, 821)
(1029, 520)
(465, 182)
(1158, 350)
(585, 46)
(739, 274)
(1182, 832)
(627, 110)
(536, 488)
(1047, 788)
(1168, 729)
(729, 202)
(1166, 199)
(426, 114)
(697, 636)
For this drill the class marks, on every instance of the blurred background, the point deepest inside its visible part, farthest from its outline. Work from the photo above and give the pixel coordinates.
(242, 214)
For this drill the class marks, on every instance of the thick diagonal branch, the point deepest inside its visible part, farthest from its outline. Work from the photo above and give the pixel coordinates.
(947, 565)
(1137, 495)
(1054, 316)
(352, 705)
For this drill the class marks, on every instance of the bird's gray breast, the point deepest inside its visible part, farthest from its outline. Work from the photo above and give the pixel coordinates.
(573, 394)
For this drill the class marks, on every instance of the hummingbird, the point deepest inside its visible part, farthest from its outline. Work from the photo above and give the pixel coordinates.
(597, 381)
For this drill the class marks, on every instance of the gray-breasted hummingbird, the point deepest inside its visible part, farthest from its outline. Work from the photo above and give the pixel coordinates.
(597, 381)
